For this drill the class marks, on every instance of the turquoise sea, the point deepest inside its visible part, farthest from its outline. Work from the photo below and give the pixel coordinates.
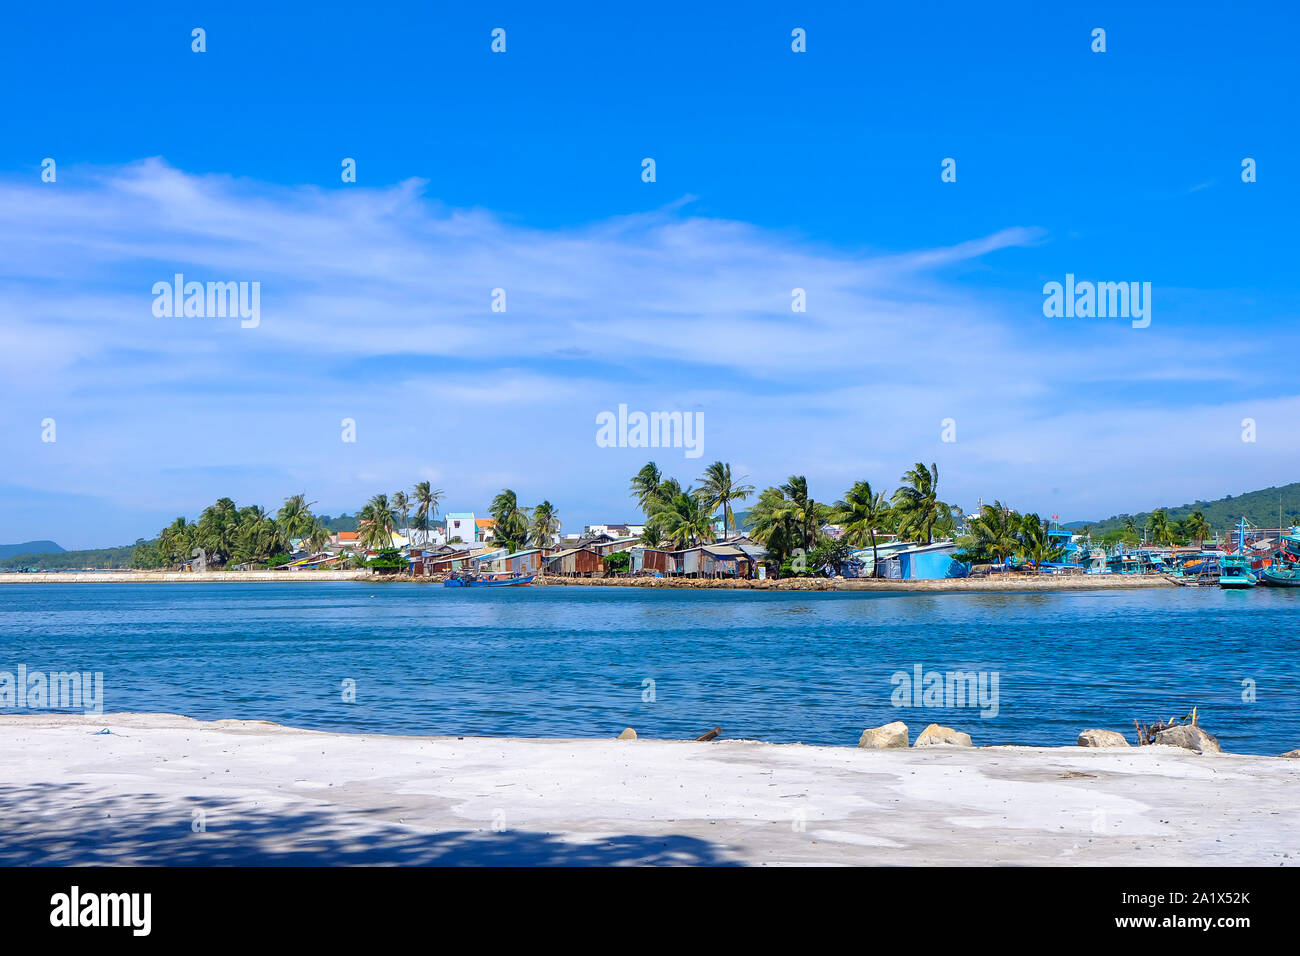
(575, 661)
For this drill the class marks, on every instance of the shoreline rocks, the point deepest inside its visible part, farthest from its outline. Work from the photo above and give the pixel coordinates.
(891, 736)
(1102, 738)
(1189, 737)
(935, 735)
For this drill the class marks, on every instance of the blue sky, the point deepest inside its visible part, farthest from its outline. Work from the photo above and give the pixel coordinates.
(522, 171)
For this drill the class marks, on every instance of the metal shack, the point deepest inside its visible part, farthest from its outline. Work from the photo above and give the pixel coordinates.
(649, 559)
(575, 562)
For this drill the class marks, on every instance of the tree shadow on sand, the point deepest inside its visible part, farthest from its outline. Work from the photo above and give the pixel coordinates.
(78, 825)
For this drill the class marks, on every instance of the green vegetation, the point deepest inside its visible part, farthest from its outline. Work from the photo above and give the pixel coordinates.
(787, 520)
(1220, 516)
(94, 558)
(388, 560)
(998, 533)
(29, 547)
(427, 499)
(679, 517)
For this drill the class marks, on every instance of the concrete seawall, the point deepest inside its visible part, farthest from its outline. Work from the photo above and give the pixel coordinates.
(181, 577)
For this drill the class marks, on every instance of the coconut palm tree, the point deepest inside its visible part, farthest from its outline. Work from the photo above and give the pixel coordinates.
(717, 490)
(511, 522)
(318, 538)
(917, 503)
(809, 515)
(860, 513)
(259, 537)
(1158, 526)
(651, 536)
(295, 518)
(176, 542)
(402, 508)
(775, 523)
(218, 527)
(545, 525)
(1035, 543)
(375, 523)
(1198, 529)
(994, 534)
(427, 499)
(685, 521)
(645, 486)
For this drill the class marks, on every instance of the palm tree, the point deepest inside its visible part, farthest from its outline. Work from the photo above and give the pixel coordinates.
(860, 513)
(718, 491)
(685, 521)
(218, 527)
(1158, 525)
(809, 515)
(994, 534)
(651, 536)
(645, 486)
(402, 508)
(774, 522)
(259, 537)
(1198, 529)
(426, 507)
(318, 538)
(917, 503)
(295, 518)
(511, 522)
(545, 525)
(375, 522)
(176, 542)
(1035, 543)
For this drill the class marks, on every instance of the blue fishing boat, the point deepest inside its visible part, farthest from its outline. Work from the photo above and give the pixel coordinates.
(1280, 576)
(468, 579)
(1235, 572)
(1284, 572)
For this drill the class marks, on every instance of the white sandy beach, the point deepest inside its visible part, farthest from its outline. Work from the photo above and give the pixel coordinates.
(164, 789)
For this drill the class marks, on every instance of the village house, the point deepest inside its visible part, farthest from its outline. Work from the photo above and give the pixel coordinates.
(575, 562)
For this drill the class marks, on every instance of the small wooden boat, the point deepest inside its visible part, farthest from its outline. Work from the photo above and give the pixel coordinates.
(489, 579)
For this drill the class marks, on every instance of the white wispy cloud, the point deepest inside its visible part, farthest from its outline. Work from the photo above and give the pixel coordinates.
(376, 306)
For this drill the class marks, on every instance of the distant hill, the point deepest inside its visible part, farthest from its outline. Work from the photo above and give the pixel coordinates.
(344, 522)
(61, 560)
(29, 547)
(1258, 507)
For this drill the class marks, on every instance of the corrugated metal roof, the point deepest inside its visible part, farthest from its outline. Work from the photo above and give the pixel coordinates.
(568, 551)
(723, 550)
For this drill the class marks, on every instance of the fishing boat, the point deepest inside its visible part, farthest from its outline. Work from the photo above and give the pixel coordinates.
(1280, 576)
(1236, 571)
(1284, 571)
(487, 579)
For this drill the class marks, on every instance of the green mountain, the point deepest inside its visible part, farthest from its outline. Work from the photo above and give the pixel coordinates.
(1258, 507)
(97, 558)
(29, 547)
